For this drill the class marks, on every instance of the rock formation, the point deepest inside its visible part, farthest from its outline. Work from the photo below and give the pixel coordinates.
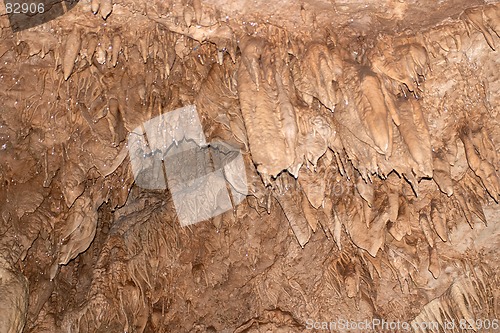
(370, 135)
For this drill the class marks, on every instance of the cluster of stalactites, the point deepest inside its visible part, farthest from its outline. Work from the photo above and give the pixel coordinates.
(310, 112)
(307, 110)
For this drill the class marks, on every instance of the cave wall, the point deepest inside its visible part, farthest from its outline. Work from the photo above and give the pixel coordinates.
(371, 154)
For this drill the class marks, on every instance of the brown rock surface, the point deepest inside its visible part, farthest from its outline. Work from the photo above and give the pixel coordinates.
(369, 132)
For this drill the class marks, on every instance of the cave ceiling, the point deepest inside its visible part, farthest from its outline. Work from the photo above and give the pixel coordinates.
(250, 166)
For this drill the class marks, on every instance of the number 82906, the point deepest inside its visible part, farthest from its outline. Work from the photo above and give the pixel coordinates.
(480, 324)
(24, 8)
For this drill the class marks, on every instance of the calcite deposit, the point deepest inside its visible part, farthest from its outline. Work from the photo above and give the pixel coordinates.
(369, 132)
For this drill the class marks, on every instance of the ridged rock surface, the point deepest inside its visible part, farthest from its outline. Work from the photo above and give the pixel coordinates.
(370, 136)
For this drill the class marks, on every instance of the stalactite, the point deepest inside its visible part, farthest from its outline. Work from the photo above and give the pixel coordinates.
(379, 149)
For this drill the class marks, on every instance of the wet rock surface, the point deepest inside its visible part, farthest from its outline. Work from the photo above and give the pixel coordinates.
(369, 132)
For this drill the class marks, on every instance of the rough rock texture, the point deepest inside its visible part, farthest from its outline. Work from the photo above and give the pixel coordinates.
(370, 132)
